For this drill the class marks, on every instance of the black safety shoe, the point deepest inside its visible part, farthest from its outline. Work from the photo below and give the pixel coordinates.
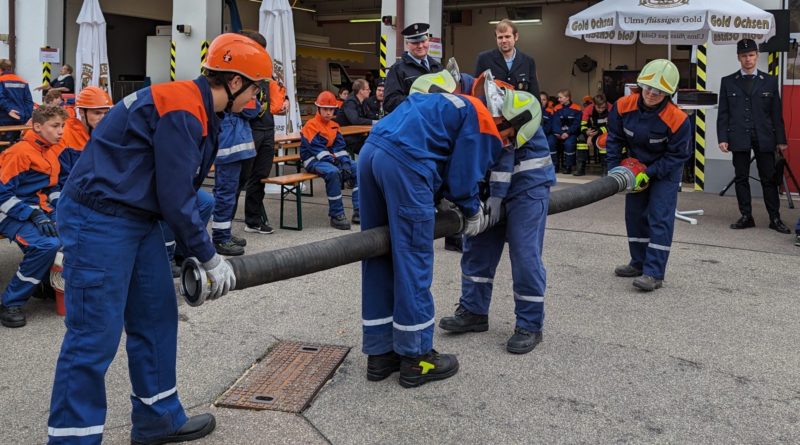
(356, 218)
(465, 321)
(647, 283)
(381, 366)
(778, 226)
(581, 170)
(566, 170)
(196, 427)
(627, 271)
(238, 241)
(453, 243)
(340, 222)
(264, 229)
(12, 317)
(797, 240)
(416, 371)
(229, 249)
(523, 341)
(745, 222)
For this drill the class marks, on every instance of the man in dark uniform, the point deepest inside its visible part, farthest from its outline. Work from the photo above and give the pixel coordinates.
(415, 62)
(375, 102)
(750, 117)
(508, 64)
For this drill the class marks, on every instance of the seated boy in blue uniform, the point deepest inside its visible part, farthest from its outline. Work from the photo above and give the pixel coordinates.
(324, 152)
(28, 195)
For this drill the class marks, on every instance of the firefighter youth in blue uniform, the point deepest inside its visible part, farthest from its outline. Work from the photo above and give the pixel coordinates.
(432, 146)
(28, 195)
(16, 102)
(565, 126)
(144, 162)
(657, 133)
(324, 152)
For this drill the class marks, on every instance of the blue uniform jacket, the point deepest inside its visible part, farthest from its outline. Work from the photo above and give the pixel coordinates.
(566, 119)
(322, 142)
(236, 136)
(547, 121)
(28, 180)
(453, 137)
(14, 95)
(659, 137)
(529, 167)
(151, 153)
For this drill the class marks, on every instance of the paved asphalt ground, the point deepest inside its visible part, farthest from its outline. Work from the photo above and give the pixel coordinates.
(710, 358)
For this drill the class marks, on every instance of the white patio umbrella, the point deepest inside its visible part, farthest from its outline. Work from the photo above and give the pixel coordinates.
(671, 22)
(91, 58)
(275, 24)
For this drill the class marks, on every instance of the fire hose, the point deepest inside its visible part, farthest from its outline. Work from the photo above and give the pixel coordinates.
(282, 264)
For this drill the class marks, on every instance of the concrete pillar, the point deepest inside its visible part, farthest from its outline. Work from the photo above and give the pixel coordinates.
(205, 19)
(38, 23)
(389, 7)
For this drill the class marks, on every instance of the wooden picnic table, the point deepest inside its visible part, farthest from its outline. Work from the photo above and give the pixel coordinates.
(14, 128)
(346, 131)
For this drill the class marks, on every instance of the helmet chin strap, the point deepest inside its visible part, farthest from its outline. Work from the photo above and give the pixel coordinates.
(232, 96)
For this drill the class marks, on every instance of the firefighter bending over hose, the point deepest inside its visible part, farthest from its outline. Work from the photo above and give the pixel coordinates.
(431, 146)
(143, 164)
(657, 134)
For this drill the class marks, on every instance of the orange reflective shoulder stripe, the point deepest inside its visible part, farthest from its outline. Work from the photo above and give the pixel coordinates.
(575, 106)
(486, 123)
(627, 104)
(673, 116)
(12, 78)
(180, 96)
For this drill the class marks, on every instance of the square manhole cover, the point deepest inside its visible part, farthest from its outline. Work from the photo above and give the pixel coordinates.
(287, 379)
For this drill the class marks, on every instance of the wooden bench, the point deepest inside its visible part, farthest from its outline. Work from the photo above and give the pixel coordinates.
(292, 185)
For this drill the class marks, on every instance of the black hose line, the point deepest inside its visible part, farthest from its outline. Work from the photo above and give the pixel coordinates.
(282, 264)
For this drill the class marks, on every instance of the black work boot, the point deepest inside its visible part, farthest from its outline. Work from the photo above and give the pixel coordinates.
(238, 241)
(340, 222)
(777, 225)
(228, 248)
(523, 341)
(416, 371)
(196, 427)
(604, 165)
(745, 222)
(627, 271)
(647, 283)
(580, 170)
(566, 170)
(381, 366)
(465, 321)
(356, 219)
(12, 317)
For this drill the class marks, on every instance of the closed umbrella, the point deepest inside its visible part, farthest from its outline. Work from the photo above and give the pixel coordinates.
(275, 24)
(91, 58)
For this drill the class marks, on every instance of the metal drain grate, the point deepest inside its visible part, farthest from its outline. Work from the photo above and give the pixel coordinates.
(287, 379)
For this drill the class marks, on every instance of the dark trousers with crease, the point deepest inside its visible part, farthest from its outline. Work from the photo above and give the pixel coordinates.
(765, 163)
(253, 171)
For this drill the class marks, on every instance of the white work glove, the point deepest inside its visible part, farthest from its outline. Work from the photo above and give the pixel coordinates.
(476, 223)
(221, 275)
(494, 206)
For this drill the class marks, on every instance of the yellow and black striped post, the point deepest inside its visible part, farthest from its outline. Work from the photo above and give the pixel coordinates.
(700, 122)
(203, 54)
(46, 73)
(774, 60)
(172, 60)
(383, 55)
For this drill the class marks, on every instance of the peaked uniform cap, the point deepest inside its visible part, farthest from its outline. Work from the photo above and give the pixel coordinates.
(417, 32)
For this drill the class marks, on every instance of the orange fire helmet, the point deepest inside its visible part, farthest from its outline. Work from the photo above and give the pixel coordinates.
(601, 141)
(92, 98)
(235, 53)
(326, 99)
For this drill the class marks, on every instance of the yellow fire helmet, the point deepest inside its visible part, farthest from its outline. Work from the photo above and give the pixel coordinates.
(441, 82)
(523, 112)
(660, 74)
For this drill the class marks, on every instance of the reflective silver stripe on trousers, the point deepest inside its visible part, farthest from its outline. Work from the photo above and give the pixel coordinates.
(416, 327)
(53, 196)
(532, 299)
(62, 432)
(378, 322)
(628, 132)
(658, 247)
(221, 225)
(341, 153)
(638, 240)
(500, 177)
(162, 395)
(334, 198)
(28, 279)
(10, 202)
(170, 244)
(477, 279)
(2, 216)
(236, 149)
(532, 164)
(322, 154)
